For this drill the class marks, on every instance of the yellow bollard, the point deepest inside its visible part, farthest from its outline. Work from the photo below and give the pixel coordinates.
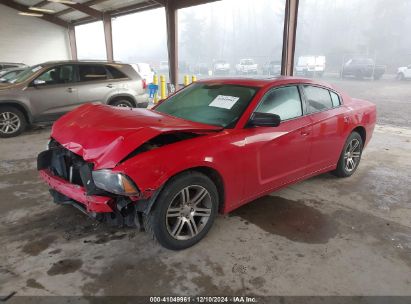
(186, 80)
(194, 78)
(163, 87)
(155, 81)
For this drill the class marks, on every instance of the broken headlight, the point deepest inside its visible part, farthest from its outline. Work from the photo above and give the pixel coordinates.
(113, 182)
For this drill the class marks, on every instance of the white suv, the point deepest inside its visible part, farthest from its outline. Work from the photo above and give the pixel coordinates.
(404, 72)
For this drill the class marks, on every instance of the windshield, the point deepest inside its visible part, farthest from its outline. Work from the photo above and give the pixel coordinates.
(213, 104)
(27, 73)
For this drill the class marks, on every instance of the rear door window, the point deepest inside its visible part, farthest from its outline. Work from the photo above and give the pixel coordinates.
(115, 73)
(92, 72)
(318, 99)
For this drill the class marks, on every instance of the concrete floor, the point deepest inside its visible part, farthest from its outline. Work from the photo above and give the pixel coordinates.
(324, 236)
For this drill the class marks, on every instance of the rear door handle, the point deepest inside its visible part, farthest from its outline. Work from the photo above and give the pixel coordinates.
(110, 86)
(305, 133)
(71, 90)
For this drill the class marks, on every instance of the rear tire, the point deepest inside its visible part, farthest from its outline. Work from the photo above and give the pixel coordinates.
(12, 122)
(350, 156)
(184, 211)
(122, 103)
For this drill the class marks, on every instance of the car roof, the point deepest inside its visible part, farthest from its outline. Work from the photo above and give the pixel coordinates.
(266, 82)
(17, 63)
(81, 61)
(13, 69)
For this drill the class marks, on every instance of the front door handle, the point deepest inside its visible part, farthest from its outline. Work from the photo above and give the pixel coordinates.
(71, 90)
(305, 132)
(110, 86)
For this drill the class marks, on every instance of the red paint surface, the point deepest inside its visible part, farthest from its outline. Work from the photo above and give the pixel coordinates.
(250, 161)
(91, 203)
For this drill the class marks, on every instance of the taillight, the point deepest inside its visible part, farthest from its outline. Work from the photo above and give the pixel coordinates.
(144, 84)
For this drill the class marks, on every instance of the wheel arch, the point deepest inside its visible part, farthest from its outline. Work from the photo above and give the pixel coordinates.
(363, 133)
(401, 75)
(21, 107)
(217, 179)
(210, 172)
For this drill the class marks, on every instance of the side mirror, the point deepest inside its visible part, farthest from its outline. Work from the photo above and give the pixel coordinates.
(264, 120)
(38, 82)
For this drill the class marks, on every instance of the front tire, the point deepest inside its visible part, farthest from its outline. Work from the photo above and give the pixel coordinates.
(12, 122)
(184, 211)
(350, 156)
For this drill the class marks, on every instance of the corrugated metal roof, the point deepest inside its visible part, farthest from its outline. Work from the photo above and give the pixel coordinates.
(72, 15)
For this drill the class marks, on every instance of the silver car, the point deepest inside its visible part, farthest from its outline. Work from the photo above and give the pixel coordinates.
(46, 91)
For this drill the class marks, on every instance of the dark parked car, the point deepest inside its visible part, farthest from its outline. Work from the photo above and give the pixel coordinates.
(46, 91)
(9, 75)
(362, 67)
(211, 147)
(10, 65)
(272, 68)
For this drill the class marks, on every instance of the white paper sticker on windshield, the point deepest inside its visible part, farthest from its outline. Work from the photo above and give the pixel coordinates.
(37, 68)
(225, 102)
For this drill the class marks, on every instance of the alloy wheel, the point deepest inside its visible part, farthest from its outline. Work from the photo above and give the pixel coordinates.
(9, 123)
(352, 155)
(122, 105)
(188, 212)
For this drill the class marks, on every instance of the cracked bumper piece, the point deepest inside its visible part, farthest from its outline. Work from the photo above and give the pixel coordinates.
(92, 203)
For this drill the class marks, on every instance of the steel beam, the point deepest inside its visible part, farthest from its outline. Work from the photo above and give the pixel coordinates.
(86, 10)
(188, 3)
(45, 17)
(289, 36)
(42, 3)
(69, 10)
(134, 8)
(72, 41)
(172, 41)
(108, 35)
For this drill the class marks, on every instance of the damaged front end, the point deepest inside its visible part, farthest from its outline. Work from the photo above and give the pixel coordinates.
(91, 142)
(102, 194)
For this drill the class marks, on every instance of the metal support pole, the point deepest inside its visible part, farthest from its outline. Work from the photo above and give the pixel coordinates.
(108, 36)
(72, 42)
(289, 36)
(172, 41)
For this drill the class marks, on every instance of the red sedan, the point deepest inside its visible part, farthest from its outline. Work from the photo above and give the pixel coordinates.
(211, 147)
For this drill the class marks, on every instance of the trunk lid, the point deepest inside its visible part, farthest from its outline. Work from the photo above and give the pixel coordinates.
(105, 135)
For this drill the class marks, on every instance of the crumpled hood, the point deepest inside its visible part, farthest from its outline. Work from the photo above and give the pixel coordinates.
(105, 135)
